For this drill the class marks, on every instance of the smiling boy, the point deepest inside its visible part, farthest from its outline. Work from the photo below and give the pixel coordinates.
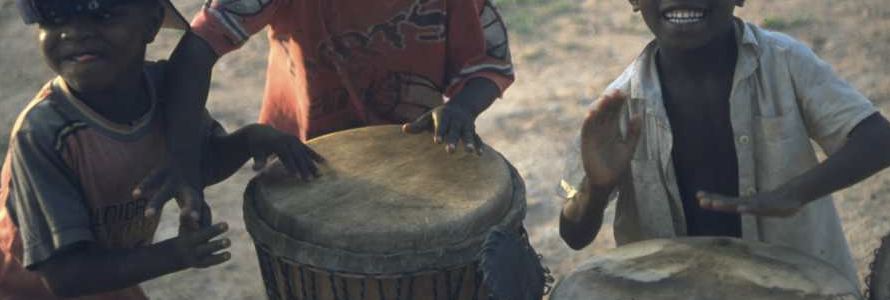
(68, 224)
(714, 119)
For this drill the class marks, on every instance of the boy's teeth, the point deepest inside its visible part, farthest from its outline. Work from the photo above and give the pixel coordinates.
(684, 16)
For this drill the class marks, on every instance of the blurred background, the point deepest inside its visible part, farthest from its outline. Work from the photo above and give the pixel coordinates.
(566, 52)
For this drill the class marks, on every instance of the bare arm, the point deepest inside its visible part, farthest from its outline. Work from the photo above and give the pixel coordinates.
(582, 216)
(227, 153)
(866, 152)
(87, 269)
(188, 81)
(606, 157)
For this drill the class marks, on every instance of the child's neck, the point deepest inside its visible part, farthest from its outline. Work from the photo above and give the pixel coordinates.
(124, 102)
(706, 61)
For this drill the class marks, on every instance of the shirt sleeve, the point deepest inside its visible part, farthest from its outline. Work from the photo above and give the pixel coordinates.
(477, 45)
(831, 107)
(227, 24)
(46, 202)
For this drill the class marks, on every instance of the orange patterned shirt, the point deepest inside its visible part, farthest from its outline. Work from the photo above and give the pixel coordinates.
(340, 64)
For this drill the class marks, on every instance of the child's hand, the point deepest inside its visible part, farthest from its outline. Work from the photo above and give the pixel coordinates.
(762, 204)
(197, 249)
(263, 141)
(450, 123)
(604, 152)
(164, 184)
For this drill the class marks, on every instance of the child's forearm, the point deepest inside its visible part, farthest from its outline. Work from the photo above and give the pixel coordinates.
(188, 82)
(477, 95)
(866, 152)
(582, 216)
(225, 155)
(90, 270)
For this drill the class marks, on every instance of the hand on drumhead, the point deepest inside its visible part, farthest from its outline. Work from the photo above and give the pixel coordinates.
(605, 153)
(450, 124)
(763, 204)
(164, 184)
(264, 141)
(198, 249)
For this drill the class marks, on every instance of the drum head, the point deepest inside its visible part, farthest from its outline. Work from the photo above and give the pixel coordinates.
(386, 202)
(705, 268)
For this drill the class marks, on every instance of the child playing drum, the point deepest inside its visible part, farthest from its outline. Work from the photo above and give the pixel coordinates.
(68, 224)
(714, 119)
(341, 64)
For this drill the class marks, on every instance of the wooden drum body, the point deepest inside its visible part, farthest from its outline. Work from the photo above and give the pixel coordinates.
(705, 269)
(393, 216)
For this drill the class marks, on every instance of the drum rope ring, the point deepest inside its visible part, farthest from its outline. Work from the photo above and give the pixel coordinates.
(876, 283)
(451, 288)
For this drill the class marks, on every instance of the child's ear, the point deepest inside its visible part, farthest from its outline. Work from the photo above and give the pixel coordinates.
(636, 4)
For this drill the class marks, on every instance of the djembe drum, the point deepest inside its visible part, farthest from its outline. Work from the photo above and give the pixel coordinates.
(704, 269)
(393, 216)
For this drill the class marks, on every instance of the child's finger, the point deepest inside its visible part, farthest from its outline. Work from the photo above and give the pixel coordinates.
(209, 233)
(213, 260)
(469, 138)
(301, 157)
(159, 198)
(307, 157)
(421, 124)
(609, 106)
(479, 144)
(314, 155)
(452, 138)
(440, 129)
(192, 204)
(287, 158)
(212, 247)
(719, 202)
(154, 181)
(634, 130)
(206, 216)
(298, 156)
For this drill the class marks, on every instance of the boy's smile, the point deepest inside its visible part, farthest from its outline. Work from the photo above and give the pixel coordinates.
(687, 24)
(80, 60)
(684, 15)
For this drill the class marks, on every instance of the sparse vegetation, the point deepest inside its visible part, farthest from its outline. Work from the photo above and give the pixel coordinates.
(530, 17)
(782, 23)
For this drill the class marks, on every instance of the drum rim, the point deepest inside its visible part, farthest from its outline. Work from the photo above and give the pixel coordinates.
(282, 246)
(593, 263)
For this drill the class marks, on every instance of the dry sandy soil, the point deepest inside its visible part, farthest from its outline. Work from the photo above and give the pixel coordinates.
(566, 51)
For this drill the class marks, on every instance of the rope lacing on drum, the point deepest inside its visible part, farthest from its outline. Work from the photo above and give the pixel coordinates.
(548, 277)
(877, 257)
(308, 290)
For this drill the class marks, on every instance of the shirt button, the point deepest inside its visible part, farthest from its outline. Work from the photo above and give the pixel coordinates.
(744, 139)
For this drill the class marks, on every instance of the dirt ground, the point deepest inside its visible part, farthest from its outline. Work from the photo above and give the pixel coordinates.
(566, 52)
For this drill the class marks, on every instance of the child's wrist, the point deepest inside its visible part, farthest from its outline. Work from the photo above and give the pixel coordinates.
(173, 252)
(792, 193)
